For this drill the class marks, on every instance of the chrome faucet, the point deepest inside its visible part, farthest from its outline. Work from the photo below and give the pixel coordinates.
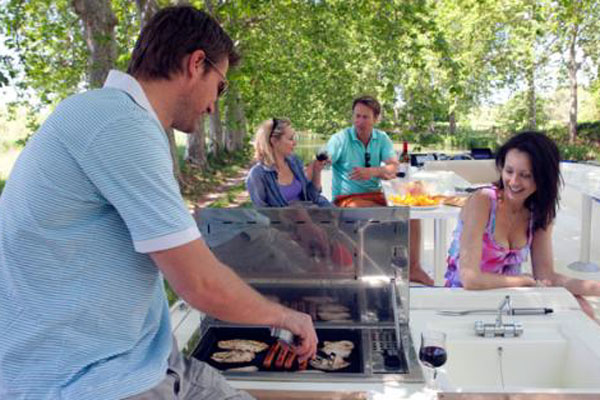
(500, 328)
(505, 306)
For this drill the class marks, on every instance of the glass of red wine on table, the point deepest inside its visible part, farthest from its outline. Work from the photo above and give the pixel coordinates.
(432, 354)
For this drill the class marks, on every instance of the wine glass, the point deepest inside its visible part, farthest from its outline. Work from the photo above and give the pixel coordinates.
(432, 353)
(322, 154)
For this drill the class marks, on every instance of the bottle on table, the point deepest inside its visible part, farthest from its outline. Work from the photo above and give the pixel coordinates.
(404, 165)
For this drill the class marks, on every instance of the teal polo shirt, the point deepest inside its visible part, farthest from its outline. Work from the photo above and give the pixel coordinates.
(347, 151)
(83, 312)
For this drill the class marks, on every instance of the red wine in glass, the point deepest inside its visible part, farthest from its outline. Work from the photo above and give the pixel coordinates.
(433, 356)
(432, 353)
(322, 155)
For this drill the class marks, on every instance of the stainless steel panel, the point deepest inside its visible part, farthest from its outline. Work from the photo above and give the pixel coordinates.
(313, 243)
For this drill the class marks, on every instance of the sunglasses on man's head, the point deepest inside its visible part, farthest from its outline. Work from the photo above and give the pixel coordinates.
(367, 159)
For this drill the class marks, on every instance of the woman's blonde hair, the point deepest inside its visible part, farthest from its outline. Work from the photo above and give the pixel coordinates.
(271, 128)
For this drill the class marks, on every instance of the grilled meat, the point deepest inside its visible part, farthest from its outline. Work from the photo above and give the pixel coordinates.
(271, 354)
(233, 356)
(329, 364)
(335, 316)
(302, 365)
(341, 348)
(249, 368)
(281, 356)
(318, 299)
(242, 344)
(333, 308)
(289, 361)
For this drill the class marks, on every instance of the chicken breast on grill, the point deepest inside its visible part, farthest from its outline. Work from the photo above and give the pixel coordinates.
(319, 299)
(326, 364)
(334, 316)
(233, 356)
(243, 345)
(333, 308)
(341, 348)
(249, 368)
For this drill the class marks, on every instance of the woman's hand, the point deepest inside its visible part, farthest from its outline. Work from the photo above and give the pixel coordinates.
(317, 166)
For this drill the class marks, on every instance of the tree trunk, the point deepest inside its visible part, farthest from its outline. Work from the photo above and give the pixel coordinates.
(452, 125)
(216, 131)
(573, 67)
(174, 158)
(146, 9)
(531, 100)
(196, 146)
(235, 120)
(99, 23)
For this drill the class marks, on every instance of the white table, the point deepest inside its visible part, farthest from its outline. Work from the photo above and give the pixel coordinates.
(442, 182)
(585, 179)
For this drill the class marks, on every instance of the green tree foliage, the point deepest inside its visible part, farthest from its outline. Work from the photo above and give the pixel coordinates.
(428, 61)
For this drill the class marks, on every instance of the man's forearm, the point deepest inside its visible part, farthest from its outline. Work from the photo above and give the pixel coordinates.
(201, 280)
(386, 172)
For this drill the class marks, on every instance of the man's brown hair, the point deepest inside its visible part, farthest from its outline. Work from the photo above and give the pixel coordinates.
(370, 102)
(173, 33)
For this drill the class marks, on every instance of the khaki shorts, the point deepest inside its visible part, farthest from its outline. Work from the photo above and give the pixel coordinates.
(188, 378)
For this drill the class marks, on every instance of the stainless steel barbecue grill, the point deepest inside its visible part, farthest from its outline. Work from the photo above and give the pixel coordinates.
(347, 268)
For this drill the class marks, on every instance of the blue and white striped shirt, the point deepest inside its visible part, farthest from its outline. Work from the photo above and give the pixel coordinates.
(83, 313)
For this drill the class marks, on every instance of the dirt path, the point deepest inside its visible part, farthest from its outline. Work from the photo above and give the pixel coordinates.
(221, 191)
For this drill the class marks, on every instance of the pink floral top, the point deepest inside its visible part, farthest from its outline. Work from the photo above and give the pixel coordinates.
(495, 258)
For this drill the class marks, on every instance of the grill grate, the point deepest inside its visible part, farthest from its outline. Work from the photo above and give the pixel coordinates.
(209, 345)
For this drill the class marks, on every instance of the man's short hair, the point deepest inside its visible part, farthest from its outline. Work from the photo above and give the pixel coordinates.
(173, 33)
(370, 102)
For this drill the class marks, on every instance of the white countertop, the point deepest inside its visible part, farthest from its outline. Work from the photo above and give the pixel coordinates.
(424, 303)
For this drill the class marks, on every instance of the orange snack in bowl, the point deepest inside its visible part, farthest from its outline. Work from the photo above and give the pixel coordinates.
(419, 200)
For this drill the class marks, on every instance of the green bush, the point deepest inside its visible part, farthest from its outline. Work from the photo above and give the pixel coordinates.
(589, 131)
(577, 151)
(584, 148)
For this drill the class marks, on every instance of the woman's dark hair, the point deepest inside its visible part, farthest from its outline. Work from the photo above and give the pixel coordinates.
(170, 35)
(545, 165)
(370, 102)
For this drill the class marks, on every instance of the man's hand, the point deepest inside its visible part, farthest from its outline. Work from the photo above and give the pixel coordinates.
(301, 325)
(361, 174)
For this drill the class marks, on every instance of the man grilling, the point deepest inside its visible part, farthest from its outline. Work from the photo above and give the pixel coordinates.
(91, 219)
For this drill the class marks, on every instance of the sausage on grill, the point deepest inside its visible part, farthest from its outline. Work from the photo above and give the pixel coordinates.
(302, 365)
(290, 359)
(270, 355)
(281, 357)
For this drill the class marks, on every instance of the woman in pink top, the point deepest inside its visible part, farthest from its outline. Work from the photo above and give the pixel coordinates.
(499, 226)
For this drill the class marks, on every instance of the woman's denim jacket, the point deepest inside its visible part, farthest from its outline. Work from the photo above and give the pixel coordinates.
(264, 189)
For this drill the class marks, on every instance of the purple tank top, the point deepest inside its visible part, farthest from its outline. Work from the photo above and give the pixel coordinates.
(292, 191)
(495, 259)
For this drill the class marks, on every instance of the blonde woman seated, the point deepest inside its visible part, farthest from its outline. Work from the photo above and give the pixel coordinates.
(501, 225)
(279, 179)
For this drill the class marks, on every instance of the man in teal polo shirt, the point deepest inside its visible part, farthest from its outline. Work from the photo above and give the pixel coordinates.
(361, 156)
(92, 219)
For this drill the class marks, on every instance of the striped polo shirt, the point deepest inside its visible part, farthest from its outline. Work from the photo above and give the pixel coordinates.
(83, 313)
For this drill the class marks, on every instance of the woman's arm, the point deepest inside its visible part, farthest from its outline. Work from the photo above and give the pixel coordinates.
(475, 216)
(313, 173)
(255, 184)
(543, 267)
